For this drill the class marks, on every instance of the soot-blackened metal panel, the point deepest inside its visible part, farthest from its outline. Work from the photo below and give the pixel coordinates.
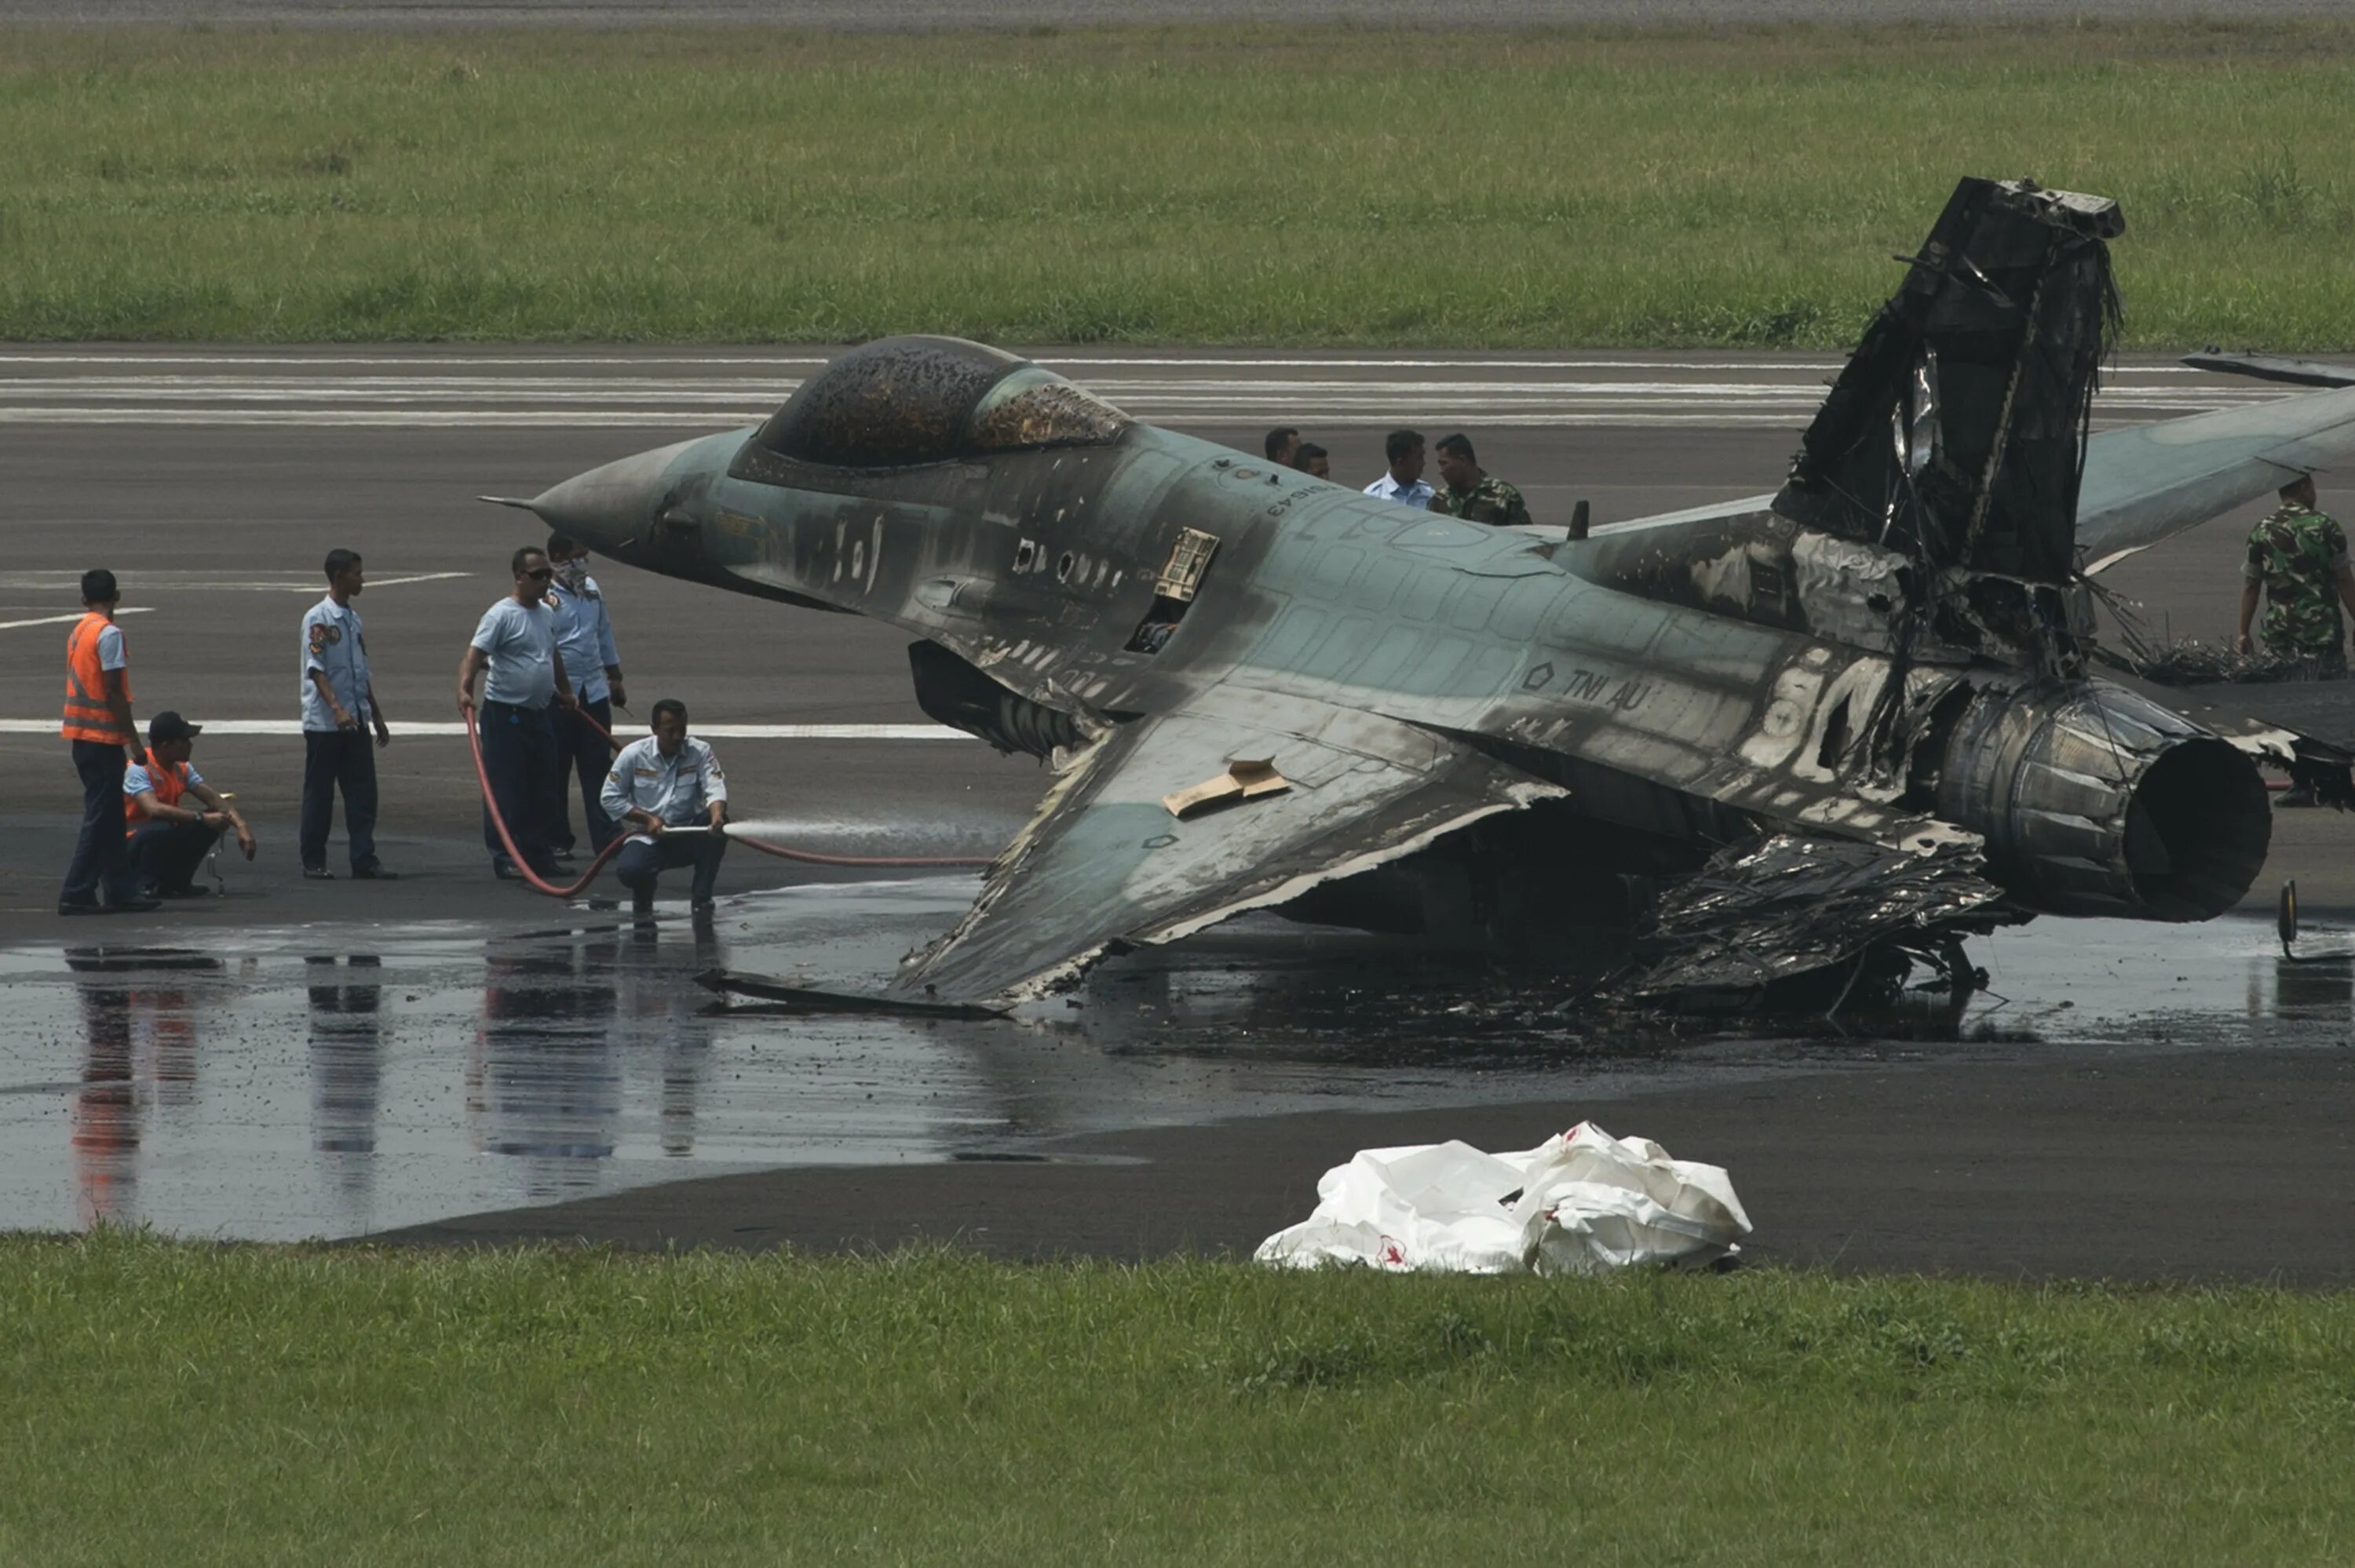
(1956, 432)
(893, 403)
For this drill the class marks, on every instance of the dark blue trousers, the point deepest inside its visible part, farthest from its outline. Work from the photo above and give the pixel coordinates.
(165, 855)
(582, 752)
(333, 759)
(519, 754)
(98, 858)
(642, 861)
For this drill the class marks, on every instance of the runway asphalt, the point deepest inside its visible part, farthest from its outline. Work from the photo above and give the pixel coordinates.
(899, 16)
(213, 481)
(2196, 1167)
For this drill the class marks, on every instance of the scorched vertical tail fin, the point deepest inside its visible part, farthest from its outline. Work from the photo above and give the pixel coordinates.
(1956, 434)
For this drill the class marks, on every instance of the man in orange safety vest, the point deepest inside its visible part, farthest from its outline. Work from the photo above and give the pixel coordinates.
(169, 840)
(98, 723)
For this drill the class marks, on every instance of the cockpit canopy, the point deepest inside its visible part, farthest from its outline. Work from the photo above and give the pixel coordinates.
(901, 401)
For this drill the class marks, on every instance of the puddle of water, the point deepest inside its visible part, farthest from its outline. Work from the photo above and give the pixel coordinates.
(333, 1080)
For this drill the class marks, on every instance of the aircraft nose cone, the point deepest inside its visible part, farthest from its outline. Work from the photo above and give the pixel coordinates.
(611, 508)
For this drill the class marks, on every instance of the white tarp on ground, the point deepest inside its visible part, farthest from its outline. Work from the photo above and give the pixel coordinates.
(1578, 1203)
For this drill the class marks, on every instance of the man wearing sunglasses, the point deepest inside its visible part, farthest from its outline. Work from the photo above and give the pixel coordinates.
(514, 655)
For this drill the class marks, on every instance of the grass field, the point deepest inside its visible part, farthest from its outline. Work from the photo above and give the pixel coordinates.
(1297, 187)
(188, 1404)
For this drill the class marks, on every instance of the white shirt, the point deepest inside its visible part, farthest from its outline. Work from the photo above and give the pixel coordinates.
(520, 640)
(584, 638)
(1418, 494)
(110, 651)
(678, 790)
(332, 645)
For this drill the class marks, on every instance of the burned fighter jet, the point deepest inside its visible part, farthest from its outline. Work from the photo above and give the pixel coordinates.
(1768, 736)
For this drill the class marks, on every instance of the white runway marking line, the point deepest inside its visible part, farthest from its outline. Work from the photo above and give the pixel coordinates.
(1795, 418)
(643, 390)
(712, 392)
(63, 619)
(435, 363)
(438, 729)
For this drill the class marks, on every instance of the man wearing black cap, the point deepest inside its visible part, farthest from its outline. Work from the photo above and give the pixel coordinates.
(168, 839)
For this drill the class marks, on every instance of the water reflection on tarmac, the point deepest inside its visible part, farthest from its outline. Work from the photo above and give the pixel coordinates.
(331, 1080)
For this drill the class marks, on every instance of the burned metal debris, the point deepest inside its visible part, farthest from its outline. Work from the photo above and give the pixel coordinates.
(1793, 902)
(1956, 431)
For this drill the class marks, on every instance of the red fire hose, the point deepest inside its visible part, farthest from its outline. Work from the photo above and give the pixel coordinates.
(782, 852)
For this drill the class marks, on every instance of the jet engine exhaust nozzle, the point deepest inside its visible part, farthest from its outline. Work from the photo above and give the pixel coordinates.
(2095, 802)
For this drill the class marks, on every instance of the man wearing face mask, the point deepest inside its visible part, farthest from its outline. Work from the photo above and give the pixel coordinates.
(584, 641)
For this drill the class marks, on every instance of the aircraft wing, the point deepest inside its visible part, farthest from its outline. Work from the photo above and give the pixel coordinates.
(1107, 862)
(2147, 482)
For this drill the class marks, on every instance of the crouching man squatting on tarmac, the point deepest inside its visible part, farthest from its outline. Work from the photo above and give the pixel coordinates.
(668, 780)
(167, 841)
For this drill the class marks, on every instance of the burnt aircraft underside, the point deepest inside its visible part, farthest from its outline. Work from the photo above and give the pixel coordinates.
(1748, 742)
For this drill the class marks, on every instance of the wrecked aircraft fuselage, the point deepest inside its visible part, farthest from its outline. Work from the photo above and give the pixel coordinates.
(1890, 655)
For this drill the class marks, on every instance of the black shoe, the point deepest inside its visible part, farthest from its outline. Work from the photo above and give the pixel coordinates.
(372, 871)
(317, 873)
(2295, 795)
(701, 909)
(563, 852)
(642, 905)
(191, 891)
(549, 870)
(139, 906)
(505, 871)
(81, 906)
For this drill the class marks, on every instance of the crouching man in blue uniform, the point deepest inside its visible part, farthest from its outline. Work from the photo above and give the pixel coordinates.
(667, 780)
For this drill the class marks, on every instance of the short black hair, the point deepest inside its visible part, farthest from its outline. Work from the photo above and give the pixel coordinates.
(1399, 443)
(667, 706)
(1277, 437)
(561, 544)
(515, 566)
(1460, 444)
(2286, 491)
(98, 586)
(341, 561)
(1309, 450)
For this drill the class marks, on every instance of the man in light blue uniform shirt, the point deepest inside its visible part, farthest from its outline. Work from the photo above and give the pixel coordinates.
(1403, 481)
(514, 655)
(667, 780)
(584, 641)
(339, 708)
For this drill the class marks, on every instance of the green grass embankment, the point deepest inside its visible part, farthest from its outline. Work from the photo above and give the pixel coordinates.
(190, 1404)
(1300, 186)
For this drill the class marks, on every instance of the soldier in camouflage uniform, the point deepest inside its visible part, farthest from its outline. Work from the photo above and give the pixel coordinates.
(1471, 493)
(2299, 557)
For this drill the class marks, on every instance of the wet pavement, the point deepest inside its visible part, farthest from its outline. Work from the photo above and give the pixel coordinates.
(337, 1079)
